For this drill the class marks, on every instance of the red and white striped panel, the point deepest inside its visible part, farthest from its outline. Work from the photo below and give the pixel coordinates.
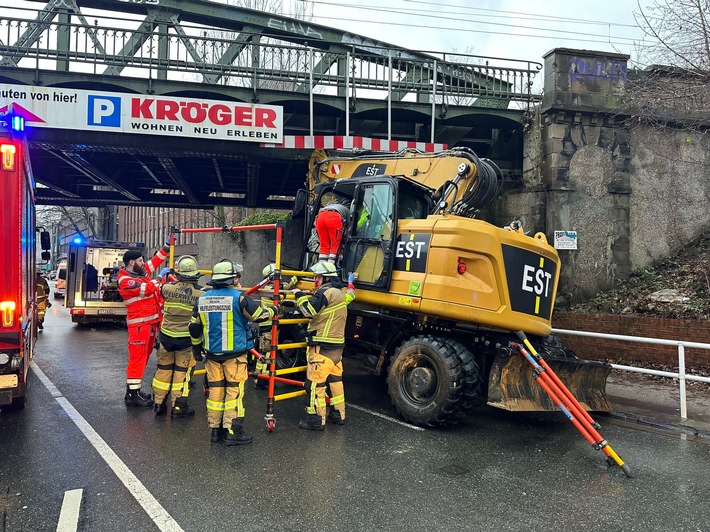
(306, 142)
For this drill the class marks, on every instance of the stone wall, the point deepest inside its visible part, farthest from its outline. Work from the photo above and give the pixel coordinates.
(633, 192)
(629, 353)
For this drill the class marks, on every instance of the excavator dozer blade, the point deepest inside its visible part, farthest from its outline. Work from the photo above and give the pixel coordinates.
(512, 385)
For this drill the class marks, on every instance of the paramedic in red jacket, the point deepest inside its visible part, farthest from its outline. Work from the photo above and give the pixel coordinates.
(141, 295)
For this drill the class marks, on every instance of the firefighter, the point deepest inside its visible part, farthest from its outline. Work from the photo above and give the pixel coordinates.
(327, 307)
(43, 302)
(220, 320)
(175, 358)
(140, 294)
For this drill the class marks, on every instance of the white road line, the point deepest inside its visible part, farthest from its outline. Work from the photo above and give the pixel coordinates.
(69, 516)
(153, 508)
(393, 420)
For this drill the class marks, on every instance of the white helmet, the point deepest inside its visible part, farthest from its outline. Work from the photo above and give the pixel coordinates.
(324, 268)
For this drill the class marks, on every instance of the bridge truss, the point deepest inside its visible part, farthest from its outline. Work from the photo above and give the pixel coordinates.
(329, 83)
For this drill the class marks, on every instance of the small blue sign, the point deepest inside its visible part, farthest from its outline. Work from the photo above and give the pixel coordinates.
(104, 111)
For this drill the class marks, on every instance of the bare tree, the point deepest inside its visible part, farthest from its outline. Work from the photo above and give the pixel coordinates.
(85, 221)
(674, 88)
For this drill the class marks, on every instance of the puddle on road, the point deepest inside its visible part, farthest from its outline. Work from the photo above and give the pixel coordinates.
(658, 430)
(454, 470)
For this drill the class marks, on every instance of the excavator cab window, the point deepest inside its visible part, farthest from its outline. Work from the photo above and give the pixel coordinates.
(368, 249)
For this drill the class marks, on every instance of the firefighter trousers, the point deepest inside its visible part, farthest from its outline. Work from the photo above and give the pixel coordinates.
(325, 371)
(173, 374)
(141, 339)
(226, 397)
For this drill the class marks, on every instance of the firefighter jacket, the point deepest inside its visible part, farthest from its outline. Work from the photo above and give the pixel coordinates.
(327, 308)
(179, 301)
(140, 293)
(220, 320)
(42, 291)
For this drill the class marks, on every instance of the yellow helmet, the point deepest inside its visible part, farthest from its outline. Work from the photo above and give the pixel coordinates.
(186, 268)
(268, 269)
(324, 268)
(224, 271)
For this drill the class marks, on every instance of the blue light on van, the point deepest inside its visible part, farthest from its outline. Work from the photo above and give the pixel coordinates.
(78, 241)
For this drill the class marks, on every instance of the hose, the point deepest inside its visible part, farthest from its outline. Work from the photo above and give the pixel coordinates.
(483, 192)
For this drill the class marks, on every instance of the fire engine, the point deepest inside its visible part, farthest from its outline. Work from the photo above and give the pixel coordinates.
(18, 323)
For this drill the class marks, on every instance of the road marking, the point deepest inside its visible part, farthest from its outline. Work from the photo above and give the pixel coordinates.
(393, 420)
(69, 516)
(150, 504)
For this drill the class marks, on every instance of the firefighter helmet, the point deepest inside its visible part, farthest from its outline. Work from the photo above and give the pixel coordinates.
(186, 268)
(268, 270)
(324, 268)
(224, 271)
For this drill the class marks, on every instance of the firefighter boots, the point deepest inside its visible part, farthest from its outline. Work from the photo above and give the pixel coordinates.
(217, 434)
(181, 409)
(312, 422)
(235, 435)
(160, 409)
(334, 418)
(136, 398)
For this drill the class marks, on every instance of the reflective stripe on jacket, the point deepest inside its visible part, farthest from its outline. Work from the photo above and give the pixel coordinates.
(328, 309)
(223, 313)
(140, 293)
(179, 301)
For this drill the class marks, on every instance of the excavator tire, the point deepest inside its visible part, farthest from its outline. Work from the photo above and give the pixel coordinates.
(425, 381)
(473, 393)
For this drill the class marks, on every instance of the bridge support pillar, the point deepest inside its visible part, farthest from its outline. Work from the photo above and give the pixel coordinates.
(583, 165)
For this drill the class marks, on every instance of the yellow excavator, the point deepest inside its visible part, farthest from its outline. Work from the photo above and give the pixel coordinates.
(441, 294)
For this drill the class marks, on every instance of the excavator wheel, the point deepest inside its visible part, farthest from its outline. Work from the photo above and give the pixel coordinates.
(473, 392)
(425, 381)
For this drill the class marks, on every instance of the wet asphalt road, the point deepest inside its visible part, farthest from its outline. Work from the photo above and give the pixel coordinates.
(500, 471)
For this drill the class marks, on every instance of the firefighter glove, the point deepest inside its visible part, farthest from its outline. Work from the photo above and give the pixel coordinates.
(351, 277)
(278, 309)
(300, 294)
(197, 352)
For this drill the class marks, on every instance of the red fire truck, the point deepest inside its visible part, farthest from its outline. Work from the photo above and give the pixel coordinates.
(18, 323)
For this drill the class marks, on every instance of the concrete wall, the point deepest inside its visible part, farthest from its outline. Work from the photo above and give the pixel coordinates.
(252, 249)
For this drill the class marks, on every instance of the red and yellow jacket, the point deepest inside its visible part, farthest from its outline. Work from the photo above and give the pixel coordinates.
(141, 293)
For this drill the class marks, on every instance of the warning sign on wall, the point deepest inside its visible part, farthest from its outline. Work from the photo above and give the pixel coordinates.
(565, 239)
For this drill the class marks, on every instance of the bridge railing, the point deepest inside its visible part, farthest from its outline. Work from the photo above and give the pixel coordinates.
(213, 56)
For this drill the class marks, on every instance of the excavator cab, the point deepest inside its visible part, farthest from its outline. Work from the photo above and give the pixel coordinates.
(376, 204)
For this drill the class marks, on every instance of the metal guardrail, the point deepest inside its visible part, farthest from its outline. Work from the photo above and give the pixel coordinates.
(680, 375)
(220, 57)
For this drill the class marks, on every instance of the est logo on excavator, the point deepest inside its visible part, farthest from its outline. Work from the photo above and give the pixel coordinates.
(531, 280)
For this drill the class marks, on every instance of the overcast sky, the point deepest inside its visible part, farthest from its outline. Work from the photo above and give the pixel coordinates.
(513, 29)
(519, 29)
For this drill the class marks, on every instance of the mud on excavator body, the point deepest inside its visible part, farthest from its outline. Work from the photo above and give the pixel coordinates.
(427, 272)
